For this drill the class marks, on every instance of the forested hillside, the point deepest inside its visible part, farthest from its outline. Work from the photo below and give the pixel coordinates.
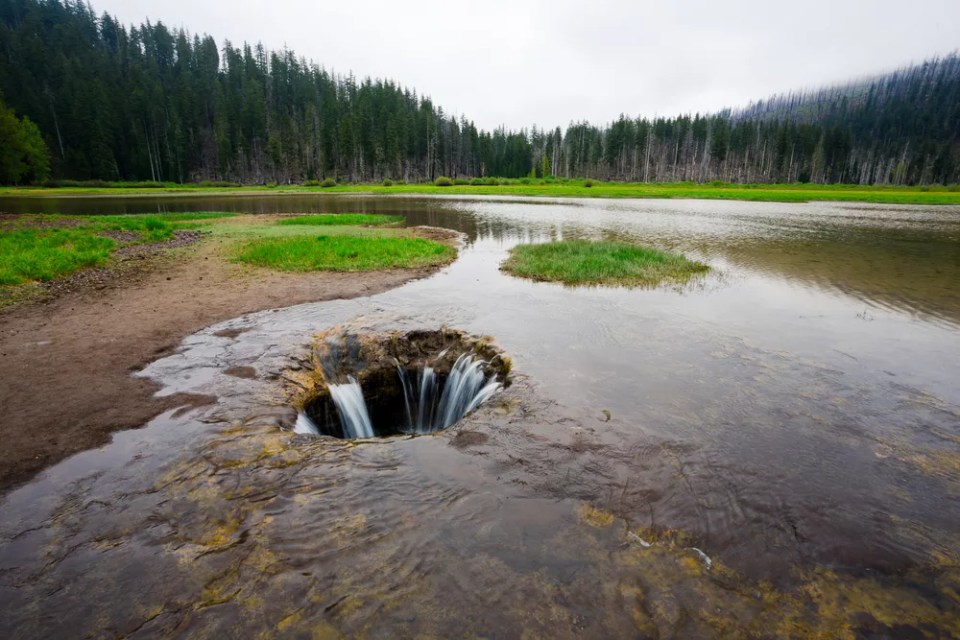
(150, 103)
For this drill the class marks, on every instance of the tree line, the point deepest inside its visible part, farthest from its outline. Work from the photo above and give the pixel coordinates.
(150, 103)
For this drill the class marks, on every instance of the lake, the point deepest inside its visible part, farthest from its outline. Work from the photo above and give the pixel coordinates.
(773, 448)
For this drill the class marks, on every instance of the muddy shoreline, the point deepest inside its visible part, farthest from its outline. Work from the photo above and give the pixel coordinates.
(67, 361)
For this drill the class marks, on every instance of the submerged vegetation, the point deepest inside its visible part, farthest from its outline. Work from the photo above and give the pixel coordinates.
(344, 253)
(584, 262)
(340, 219)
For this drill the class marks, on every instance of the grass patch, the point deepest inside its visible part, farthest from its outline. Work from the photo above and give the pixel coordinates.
(40, 248)
(45, 254)
(343, 253)
(152, 228)
(564, 188)
(582, 262)
(347, 219)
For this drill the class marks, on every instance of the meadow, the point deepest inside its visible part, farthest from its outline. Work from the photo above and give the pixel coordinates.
(536, 187)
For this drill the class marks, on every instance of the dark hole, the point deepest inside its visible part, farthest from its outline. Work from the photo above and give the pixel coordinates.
(369, 365)
(384, 397)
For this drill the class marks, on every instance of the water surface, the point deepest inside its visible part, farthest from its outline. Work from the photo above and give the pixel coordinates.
(794, 417)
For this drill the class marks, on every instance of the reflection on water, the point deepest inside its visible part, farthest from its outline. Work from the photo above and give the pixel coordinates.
(794, 416)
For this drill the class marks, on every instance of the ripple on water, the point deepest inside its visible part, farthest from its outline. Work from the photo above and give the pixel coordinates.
(805, 449)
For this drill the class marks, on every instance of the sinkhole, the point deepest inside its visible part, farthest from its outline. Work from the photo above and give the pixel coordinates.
(381, 385)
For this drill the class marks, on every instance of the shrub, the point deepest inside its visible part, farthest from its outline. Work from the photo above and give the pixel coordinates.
(477, 182)
(272, 185)
(312, 183)
(461, 181)
(443, 181)
(588, 183)
(524, 180)
(491, 182)
(387, 182)
(328, 182)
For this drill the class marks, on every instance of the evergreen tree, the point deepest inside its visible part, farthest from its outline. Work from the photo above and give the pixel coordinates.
(151, 103)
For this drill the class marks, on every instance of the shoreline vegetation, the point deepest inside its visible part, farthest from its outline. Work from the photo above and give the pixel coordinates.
(40, 254)
(42, 248)
(588, 262)
(529, 187)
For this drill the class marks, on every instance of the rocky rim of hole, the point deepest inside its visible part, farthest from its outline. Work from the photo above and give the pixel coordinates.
(372, 359)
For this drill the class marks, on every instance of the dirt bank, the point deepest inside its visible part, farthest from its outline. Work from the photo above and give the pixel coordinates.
(65, 363)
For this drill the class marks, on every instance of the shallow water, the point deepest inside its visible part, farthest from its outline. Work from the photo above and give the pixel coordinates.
(794, 416)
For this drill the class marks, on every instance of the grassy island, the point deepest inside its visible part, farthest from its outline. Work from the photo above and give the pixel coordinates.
(584, 262)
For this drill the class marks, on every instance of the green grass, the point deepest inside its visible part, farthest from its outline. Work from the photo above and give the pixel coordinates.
(582, 262)
(34, 248)
(45, 254)
(153, 228)
(343, 253)
(39, 248)
(561, 188)
(343, 219)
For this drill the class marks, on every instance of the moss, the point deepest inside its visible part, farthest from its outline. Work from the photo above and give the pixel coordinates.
(594, 517)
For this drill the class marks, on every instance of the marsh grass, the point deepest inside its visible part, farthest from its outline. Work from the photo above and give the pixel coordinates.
(343, 253)
(575, 188)
(46, 254)
(41, 248)
(583, 262)
(342, 219)
(154, 228)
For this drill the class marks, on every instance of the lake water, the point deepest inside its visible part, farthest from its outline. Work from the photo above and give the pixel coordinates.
(772, 449)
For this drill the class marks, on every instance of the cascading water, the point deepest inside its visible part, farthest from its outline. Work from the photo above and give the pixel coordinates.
(352, 409)
(466, 388)
(305, 425)
(431, 402)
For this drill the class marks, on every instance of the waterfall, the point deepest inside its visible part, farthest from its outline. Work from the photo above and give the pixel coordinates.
(352, 408)
(429, 404)
(466, 389)
(305, 425)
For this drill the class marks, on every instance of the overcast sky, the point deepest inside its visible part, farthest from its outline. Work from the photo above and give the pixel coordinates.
(547, 62)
